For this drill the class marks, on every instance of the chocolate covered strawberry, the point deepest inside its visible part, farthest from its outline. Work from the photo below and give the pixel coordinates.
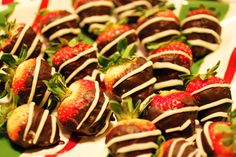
(76, 62)
(212, 94)
(174, 113)
(59, 24)
(16, 36)
(94, 14)
(108, 39)
(169, 61)
(82, 107)
(203, 30)
(127, 75)
(178, 147)
(217, 139)
(25, 78)
(31, 126)
(158, 27)
(131, 137)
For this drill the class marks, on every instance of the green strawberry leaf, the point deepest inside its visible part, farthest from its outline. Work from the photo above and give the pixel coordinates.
(4, 14)
(115, 107)
(223, 129)
(8, 59)
(196, 66)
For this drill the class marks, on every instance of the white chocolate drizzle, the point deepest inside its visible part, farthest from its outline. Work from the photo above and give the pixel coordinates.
(215, 103)
(214, 115)
(137, 147)
(206, 133)
(153, 20)
(70, 17)
(40, 126)
(107, 122)
(179, 128)
(54, 128)
(19, 39)
(199, 17)
(160, 35)
(202, 30)
(111, 44)
(168, 65)
(92, 106)
(183, 148)
(133, 136)
(35, 79)
(168, 83)
(140, 87)
(136, 71)
(172, 146)
(102, 110)
(172, 112)
(33, 46)
(144, 155)
(145, 103)
(64, 31)
(169, 52)
(199, 143)
(202, 43)
(94, 4)
(210, 86)
(29, 121)
(95, 18)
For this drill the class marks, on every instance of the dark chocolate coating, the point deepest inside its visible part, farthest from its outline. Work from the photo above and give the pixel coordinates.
(210, 95)
(130, 39)
(44, 74)
(28, 39)
(44, 138)
(199, 51)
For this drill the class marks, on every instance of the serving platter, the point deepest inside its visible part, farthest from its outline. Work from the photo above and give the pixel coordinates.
(26, 12)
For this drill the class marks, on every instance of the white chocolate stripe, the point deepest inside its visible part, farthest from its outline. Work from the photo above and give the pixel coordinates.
(199, 143)
(144, 104)
(136, 71)
(198, 17)
(132, 5)
(153, 20)
(111, 44)
(95, 18)
(172, 112)
(77, 57)
(169, 52)
(191, 138)
(65, 31)
(92, 106)
(35, 79)
(40, 126)
(128, 13)
(54, 128)
(183, 148)
(168, 83)
(145, 155)
(160, 35)
(94, 4)
(29, 121)
(95, 26)
(47, 93)
(206, 133)
(202, 30)
(210, 86)
(179, 128)
(80, 68)
(168, 65)
(194, 153)
(19, 39)
(215, 103)
(214, 115)
(32, 47)
(172, 146)
(137, 147)
(202, 43)
(133, 136)
(107, 122)
(104, 106)
(138, 88)
(70, 17)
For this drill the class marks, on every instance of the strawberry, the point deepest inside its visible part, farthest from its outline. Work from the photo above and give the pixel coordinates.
(23, 127)
(25, 78)
(156, 26)
(17, 36)
(94, 14)
(82, 106)
(76, 62)
(178, 147)
(58, 24)
(203, 30)
(130, 136)
(108, 39)
(170, 60)
(123, 73)
(218, 138)
(211, 93)
(174, 112)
